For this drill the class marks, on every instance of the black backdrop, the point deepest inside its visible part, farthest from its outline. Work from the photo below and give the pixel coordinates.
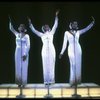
(41, 13)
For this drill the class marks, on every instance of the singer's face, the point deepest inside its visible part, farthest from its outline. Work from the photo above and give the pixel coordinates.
(46, 28)
(74, 25)
(21, 28)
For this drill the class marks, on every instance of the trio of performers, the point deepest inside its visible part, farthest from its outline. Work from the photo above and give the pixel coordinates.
(48, 51)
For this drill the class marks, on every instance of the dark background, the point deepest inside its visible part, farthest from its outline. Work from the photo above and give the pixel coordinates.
(44, 13)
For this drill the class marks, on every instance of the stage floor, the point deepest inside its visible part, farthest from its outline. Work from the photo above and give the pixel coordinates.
(57, 90)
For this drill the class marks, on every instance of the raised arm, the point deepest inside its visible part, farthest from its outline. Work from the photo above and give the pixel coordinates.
(33, 29)
(55, 23)
(88, 27)
(11, 27)
(64, 44)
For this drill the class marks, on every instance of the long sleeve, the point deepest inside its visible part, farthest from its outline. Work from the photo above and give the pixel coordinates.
(12, 29)
(87, 28)
(64, 43)
(27, 44)
(35, 31)
(55, 25)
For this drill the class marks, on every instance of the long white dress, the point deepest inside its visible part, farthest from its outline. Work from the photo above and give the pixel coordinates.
(48, 52)
(22, 48)
(74, 53)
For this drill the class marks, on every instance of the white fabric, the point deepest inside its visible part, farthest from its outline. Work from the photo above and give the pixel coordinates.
(48, 52)
(48, 58)
(22, 48)
(74, 53)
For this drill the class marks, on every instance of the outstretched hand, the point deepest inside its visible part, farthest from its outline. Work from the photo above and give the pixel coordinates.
(57, 12)
(9, 18)
(93, 18)
(29, 20)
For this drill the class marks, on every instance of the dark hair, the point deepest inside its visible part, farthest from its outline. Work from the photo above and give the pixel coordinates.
(44, 28)
(73, 25)
(22, 26)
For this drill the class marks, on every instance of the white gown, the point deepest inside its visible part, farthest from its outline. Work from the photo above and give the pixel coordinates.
(74, 53)
(22, 48)
(48, 53)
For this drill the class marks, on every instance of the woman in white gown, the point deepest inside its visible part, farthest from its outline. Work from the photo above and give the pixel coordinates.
(74, 50)
(21, 54)
(48, 50)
